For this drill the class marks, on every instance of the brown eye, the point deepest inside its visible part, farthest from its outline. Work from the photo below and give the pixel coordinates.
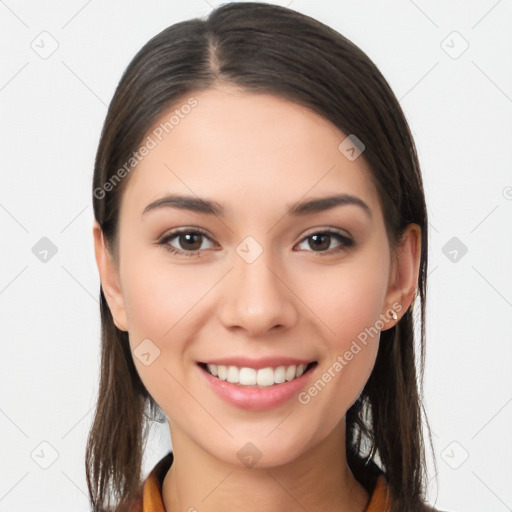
(189, 242)
(321, 241)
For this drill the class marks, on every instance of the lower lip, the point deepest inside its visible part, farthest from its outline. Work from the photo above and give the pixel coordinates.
(257, 399)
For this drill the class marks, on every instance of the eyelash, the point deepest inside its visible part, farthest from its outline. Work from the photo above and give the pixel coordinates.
(346, 242)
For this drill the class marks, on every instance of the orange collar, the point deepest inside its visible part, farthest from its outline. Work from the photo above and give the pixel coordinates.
(152, 490)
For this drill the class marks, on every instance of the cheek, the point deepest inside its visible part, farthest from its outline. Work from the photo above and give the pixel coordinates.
(162, 303)
(158, 297)
(347, 301)
(359, 323)
(159, 302)
(349, 312)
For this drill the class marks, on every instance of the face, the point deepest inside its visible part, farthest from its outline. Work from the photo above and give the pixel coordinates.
(256, 285)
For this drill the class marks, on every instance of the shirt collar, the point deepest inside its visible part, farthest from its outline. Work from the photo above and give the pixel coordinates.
(152, 500)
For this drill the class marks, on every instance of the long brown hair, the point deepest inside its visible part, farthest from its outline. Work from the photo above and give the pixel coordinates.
(267, 48)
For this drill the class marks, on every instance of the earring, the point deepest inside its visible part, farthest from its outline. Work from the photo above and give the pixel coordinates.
(394, 315)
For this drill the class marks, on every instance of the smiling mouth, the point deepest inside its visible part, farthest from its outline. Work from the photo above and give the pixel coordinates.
(259, 378)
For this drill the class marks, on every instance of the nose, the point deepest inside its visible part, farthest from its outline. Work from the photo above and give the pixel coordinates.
(257, 297)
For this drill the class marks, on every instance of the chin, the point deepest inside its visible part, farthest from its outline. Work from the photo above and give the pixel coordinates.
(259, 452)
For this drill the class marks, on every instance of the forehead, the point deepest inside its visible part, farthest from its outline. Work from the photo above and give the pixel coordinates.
(254, 149)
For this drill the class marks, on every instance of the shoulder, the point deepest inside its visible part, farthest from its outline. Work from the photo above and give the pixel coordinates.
(149, 497)
(381, 501)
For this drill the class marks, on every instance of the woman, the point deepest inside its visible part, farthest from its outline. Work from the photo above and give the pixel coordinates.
(261, 238)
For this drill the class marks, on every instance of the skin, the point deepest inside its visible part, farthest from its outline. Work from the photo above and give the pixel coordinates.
(256, 154)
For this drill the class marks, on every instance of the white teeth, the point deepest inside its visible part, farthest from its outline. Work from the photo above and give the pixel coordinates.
(265, 377)
(280, 374)
(252, 377)
(248, 376)
(233, 374)
(222, 372)
(291, 372)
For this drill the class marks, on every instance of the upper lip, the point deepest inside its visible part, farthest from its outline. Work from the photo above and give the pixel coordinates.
(263, 362)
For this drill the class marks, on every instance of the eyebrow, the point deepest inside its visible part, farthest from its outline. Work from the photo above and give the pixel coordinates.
(201, 205)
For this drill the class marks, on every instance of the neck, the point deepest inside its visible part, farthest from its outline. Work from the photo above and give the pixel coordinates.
(318, 479)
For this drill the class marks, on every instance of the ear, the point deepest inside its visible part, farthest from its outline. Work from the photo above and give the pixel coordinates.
(404, 275)
(109, 276)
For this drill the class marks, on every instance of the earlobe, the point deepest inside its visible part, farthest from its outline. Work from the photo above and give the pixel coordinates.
(403, 280)
(110, 281)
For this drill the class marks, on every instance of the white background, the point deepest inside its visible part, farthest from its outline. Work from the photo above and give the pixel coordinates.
(52, 110)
